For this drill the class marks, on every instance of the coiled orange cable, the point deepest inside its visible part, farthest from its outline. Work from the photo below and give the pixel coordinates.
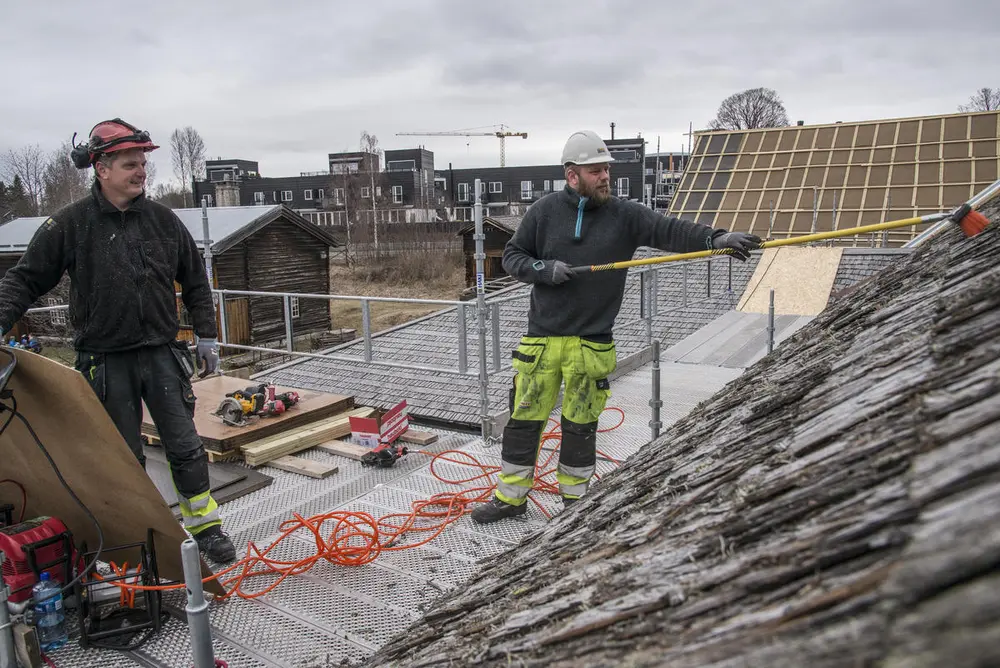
(351, 538)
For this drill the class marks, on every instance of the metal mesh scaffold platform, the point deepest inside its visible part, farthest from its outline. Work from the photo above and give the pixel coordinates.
(333, 612)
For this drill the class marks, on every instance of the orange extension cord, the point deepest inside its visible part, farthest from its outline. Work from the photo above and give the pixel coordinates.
(355, 538)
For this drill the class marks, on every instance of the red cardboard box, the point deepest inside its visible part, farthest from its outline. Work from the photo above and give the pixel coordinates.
(371, 431)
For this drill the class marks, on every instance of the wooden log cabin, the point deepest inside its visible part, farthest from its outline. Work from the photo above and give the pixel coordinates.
(498, 230)
(254, 248)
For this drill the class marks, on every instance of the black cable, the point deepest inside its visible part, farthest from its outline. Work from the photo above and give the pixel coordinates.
(97, 525)
(9, 417)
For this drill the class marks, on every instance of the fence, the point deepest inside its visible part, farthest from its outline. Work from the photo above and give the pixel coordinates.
(485, 313)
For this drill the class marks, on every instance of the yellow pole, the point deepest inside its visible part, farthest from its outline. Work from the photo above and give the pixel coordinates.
(819, 236)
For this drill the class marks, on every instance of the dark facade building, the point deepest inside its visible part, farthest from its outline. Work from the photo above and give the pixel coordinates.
(410, 177)
(353, 181)
(230, 170)
(627, 171)
(353, 163)
(510, 190)
(407, 188)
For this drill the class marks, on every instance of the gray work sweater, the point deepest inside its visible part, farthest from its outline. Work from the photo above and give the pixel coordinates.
(564, 226)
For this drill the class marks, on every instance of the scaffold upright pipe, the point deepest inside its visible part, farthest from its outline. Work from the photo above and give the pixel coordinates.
(484, 393)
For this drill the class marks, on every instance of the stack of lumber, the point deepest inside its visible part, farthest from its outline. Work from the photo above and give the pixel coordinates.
(325, 436)
(296, 440)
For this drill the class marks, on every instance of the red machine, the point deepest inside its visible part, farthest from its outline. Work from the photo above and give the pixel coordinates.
(33, 546)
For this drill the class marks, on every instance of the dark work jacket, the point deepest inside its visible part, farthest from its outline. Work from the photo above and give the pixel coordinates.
(122, 267)
(563, 226)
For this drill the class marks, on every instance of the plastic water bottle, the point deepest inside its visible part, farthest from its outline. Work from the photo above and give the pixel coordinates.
(49, 617)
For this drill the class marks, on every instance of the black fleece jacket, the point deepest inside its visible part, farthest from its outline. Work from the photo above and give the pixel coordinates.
(564, 226)
(122, 267)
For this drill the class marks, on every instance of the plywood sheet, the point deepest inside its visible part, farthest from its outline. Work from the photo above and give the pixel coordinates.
(94, 460)
(221, 437)
(801, 277)
(228, 481)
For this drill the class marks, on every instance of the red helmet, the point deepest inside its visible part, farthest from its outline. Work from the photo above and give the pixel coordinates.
(109, 137)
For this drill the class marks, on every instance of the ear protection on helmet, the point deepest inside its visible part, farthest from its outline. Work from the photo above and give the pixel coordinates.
(80, 155)
(84, 155)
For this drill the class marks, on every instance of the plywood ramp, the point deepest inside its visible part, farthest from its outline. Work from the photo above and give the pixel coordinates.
(93, 458)
(801, 277)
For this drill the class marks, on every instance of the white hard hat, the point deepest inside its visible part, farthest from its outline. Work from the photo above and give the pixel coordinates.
(585, 148)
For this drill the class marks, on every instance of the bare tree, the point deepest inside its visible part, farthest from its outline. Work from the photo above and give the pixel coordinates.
(62, 182)
(752, 108)
(985, 99)
(150, 175)
(371, 167)
(14, 201)
(187, 150)
(360, 189)
(168, 196)
(28, 165)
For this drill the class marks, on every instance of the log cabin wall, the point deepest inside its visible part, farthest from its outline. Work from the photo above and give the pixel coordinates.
(281, 257)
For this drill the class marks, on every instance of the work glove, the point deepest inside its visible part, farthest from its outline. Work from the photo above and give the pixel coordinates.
(560, 272)
(740, 242)
(208, 351)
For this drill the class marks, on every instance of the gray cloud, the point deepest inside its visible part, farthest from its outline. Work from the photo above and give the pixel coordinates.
(286, 83)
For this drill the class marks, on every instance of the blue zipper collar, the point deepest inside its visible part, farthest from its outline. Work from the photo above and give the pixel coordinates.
(579, 216)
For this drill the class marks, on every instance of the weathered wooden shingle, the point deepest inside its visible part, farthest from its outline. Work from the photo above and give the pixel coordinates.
(836, 505)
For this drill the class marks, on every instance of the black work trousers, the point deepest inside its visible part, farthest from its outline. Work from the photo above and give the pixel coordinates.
(160, 376)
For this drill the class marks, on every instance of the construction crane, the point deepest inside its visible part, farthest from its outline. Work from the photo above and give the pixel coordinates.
(501, 133)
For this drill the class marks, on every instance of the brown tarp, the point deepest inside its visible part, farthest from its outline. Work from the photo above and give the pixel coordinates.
(94, 460)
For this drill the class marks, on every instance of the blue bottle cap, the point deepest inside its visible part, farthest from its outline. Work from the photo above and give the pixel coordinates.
(45, 576)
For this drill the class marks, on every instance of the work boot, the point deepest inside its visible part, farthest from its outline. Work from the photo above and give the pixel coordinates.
(216, 545)
(496, 510)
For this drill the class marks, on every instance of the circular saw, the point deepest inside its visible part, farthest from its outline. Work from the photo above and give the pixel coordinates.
(230, 410)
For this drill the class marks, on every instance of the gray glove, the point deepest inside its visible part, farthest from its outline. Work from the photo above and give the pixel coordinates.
(560, 272)
(208, 351)
(740, 242)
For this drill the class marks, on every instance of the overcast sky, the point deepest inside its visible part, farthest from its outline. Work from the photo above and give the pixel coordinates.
(287, 82)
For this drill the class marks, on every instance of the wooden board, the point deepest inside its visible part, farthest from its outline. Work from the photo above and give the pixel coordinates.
(418, 437)
(801, 277)
(294, 464)
(220, 457)
(93, 458)
(344, 449)
(224, 438)
(303, 438)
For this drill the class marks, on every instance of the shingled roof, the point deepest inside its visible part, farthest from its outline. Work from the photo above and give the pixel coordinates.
(503, 223)
(836, 505)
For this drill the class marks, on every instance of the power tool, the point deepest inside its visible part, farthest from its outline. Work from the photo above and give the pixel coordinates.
(385, 455)
(240, 406)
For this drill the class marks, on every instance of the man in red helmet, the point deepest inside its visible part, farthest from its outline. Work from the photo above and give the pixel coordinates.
(123, 253)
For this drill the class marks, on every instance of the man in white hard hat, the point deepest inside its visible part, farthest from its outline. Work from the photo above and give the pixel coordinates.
(570, 318)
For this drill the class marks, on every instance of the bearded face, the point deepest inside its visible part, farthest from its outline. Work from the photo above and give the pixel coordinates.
(593, 181)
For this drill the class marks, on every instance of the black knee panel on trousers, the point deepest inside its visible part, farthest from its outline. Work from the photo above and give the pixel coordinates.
(579, 444)
(520, 441)
(190, 471)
